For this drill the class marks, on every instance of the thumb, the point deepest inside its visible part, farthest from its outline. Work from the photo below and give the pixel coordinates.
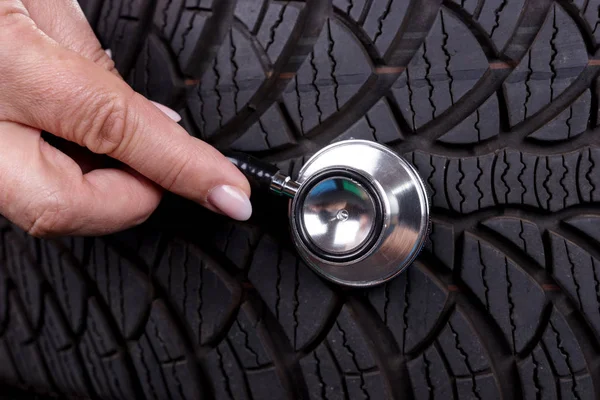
(51, 88)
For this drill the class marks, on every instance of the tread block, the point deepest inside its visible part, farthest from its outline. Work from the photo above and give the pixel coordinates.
(348, 345)
(4, 279)
(246, 342)
(264, 384)
(429, 377)
(235, 75)
(65, 368)
(511, 297)
(515, 174)
(53, 327)
(112, 273)
(292, 292)
(248, 12)
(468, 176)
(383, 19)
(377, 125)
(25, 274)
(567, 358)
(342, 366)
(446, 66)
(330, 76)
(270, 132)
(196, 291)
(485, 384)
(556, 58)
(432, 168)
(522, 233)
(588, 176)
(499, 19)
(578, 273)
(410, 306)
(166, 17)
(367, 386)
(323, 378)
(161, 359)
(277, 27)
(352, 8)
(60, 351)
(508, 177)
(537, 377)
(237, 242)
(104, 360)
(226, 374)
(110, 376)
(64, 276)
(483, 124)
(187, 33)
(154, 75)
(441, 242)
(107, 22)
(587, 224)
(144, 242)
(8, 371)
(589, 10)
(124, 40)
(99, 331)
(462, 348)
(20, 338)
(91, 9)
(569, 123)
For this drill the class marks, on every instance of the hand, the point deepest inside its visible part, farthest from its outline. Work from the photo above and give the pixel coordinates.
(55, 77)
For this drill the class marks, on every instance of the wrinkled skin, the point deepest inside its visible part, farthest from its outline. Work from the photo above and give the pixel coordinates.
(55, 77)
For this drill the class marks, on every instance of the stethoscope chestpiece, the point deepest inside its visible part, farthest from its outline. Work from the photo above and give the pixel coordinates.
(360, 215)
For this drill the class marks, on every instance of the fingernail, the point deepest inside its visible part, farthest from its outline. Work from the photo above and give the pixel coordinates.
(168, 112)
(108, 53)
(231, 201)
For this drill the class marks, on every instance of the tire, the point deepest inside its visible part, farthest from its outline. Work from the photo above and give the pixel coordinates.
(496, 104)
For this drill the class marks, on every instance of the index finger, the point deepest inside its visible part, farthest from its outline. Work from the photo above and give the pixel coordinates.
(55, 89)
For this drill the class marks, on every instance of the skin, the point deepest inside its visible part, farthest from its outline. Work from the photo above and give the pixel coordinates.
(55, 77)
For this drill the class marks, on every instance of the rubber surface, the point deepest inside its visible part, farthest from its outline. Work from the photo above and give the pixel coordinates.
(495, 102)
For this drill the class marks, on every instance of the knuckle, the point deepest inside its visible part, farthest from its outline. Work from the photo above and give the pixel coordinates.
(99, 57)
(110, 126)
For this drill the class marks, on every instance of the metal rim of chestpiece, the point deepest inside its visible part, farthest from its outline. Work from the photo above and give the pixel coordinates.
(360, 213)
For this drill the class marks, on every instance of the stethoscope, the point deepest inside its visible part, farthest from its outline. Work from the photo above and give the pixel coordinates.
(359, 213)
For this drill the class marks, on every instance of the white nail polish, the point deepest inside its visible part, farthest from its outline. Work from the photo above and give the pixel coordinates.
(108, 53)
(168, 112)
(231, 201)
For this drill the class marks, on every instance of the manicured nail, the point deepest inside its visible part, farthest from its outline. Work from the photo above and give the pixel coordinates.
(108, 53)
(168, 112)
(231, 201)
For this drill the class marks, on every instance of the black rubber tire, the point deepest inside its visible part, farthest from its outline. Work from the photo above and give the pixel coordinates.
(494, 101)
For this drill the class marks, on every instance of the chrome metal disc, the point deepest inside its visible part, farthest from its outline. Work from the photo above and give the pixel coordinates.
(338, 215)
(361, 214)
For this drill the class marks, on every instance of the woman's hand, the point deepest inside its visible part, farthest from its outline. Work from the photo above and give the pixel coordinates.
(55, 77)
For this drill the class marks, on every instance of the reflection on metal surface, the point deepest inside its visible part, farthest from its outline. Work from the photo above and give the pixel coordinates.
(372, 204)
(338, 215)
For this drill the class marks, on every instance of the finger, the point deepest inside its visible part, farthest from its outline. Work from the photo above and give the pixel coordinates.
(64, 21)
(56, 90)
(87, 160)
(45, 192)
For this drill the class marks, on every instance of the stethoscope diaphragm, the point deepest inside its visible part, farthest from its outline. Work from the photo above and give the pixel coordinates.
(359, 213)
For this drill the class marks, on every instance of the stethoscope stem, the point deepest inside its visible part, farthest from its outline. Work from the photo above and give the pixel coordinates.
(284, 185)
(264, 176)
